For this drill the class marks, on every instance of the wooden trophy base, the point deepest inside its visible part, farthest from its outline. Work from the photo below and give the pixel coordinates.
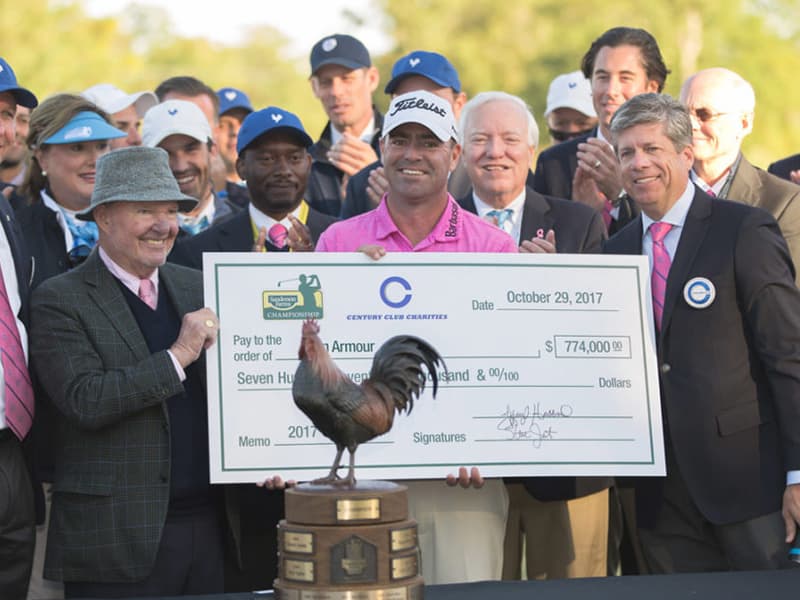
(348, 543)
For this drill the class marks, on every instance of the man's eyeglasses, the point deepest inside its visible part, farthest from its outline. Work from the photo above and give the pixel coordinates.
(704, 115)
(563, 136)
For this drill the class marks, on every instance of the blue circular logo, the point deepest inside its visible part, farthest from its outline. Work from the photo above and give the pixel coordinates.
(699, 292)
(386, 290)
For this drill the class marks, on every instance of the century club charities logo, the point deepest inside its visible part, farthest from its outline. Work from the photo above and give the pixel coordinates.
(298, 298)
(396, 293)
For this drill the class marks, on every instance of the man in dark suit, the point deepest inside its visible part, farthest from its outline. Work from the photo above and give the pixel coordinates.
(17, 515)
(567, 517)
(619, 64)
(274, 161)
(722, 106)
(118, 344)
(787, 168)
(727, 316)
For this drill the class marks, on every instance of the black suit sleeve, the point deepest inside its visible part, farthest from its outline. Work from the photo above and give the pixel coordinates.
(770, 301)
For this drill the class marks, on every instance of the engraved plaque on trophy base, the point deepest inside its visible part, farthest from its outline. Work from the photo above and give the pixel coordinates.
(343, 543)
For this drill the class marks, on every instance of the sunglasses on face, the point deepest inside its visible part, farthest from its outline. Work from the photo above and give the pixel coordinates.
(704, 115)
(563, 136)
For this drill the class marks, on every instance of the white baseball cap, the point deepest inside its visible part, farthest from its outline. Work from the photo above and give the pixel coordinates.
(173, 117)
(112, 99)
(424, 108)
(570, 90)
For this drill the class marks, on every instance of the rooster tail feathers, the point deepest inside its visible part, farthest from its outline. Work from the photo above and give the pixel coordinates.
(398, 367)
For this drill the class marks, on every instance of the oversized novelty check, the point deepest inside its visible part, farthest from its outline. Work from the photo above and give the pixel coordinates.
(550, 363)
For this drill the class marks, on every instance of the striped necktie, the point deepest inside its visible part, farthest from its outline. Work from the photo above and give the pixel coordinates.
(501, 216)
(661, 264)
(18, 388)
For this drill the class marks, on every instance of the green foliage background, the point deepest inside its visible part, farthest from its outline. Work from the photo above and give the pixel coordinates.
(517, 46)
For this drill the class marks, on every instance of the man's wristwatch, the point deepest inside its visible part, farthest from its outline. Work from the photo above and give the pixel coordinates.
(620, 197)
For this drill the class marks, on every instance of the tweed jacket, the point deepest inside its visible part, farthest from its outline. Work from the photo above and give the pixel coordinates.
(112, 467)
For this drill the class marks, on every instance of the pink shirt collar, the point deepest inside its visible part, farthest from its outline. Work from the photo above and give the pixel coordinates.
(129, 280)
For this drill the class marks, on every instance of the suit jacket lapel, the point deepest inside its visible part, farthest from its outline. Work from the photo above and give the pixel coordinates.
(746, 184)
(535, 216)
(104, 291)
(694, 231)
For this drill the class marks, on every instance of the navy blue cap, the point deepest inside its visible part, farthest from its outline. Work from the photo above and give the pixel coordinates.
(268, 119)
(230, 98)
(339, 49)
(426, 64)
(8, 83)
(86, 126)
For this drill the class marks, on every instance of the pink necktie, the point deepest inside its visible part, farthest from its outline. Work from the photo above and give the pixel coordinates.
(277, 235)
(661, 264)
(147, 292)
(18, 388)
(607, 218)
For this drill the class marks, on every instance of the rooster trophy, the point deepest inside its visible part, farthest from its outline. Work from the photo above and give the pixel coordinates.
(350, 414)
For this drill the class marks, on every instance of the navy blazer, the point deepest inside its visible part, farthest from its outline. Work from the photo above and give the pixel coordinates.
(235, 234)
(783, 167)
(23, 264)
(730, 372)
(578, 228)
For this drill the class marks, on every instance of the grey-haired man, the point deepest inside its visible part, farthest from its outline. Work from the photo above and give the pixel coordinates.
(118, 343)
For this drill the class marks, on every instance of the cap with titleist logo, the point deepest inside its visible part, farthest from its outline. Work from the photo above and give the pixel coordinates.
(339, 49)
(423, 108)
(431, 65)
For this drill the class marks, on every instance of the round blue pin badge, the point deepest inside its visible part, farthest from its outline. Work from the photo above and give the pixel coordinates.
(699, 292)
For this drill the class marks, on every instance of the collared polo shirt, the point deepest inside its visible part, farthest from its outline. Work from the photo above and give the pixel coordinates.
(457, 230)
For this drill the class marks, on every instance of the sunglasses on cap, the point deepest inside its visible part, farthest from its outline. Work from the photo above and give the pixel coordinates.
(563, 136)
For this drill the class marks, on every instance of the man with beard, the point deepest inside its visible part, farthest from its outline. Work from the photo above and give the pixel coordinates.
(274, 160)
(181, 128)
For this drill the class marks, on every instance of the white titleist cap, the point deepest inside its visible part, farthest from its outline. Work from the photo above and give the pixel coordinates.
(173, 117)
(424, 108)
(571, 90)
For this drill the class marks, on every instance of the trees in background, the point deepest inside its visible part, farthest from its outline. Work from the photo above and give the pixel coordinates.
(516, 46)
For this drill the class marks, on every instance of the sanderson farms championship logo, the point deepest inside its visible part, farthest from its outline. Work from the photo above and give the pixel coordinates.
(299, 298)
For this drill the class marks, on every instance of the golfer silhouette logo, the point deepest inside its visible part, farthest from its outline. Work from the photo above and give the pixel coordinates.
(304, 301)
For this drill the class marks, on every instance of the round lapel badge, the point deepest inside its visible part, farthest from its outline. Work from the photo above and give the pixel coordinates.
(699, 292)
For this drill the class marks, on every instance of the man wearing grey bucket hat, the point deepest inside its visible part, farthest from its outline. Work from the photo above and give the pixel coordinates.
(118, 343)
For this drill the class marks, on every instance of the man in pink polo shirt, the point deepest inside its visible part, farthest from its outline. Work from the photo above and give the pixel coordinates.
(419, 146)
(460, 531)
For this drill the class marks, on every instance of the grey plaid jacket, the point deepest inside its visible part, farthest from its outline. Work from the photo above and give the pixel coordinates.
(111, 483)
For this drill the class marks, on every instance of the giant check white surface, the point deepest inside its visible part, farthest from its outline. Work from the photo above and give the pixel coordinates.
(550, 362)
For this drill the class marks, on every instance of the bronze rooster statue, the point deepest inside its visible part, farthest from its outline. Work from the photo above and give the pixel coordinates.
(350, 414)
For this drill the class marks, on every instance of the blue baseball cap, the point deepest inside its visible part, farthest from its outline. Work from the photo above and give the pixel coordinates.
(86, 126)
(8, 83)
(269, 119)
(432, 65)
(230, 98)
(339, 49)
